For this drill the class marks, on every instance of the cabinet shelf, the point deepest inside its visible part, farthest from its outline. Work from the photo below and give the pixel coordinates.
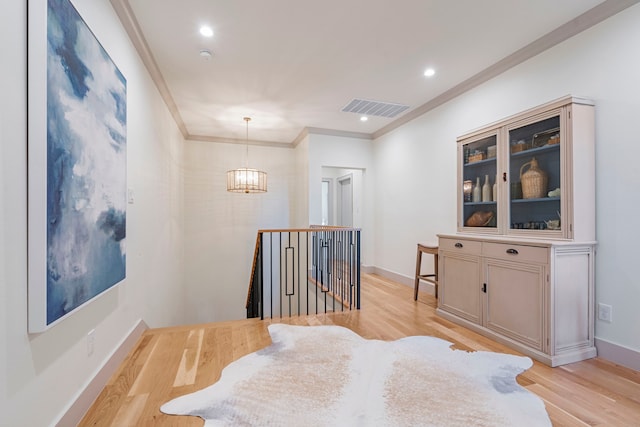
(541, 199)
(537, 150)
(479, 203)
(480, 162)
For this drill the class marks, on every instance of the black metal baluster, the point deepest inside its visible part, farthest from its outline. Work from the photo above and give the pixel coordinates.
(280, 272)
(271, 275)
(286, 271)
(299, 290)
(351, 269)
(340, 267)
(357, 267)
(261, 277)
(312, 243)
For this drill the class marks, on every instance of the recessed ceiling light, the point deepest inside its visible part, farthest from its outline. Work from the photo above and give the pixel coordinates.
(429, 72)
(206, 31)
(364, 118)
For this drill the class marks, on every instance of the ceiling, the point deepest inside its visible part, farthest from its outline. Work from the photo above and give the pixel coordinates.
(292, 65)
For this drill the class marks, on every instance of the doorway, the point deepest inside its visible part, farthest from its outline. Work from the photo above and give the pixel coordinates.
(327, 201)
(345, 201)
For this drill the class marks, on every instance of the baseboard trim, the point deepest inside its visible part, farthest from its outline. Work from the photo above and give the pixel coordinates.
(618, 354)
(392, 275)
(405, 280)
(85, 399)
(367, 269)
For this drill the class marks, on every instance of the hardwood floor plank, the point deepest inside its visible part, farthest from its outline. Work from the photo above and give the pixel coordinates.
(170, 362)
(190, 357)
(129, 413)
(560, 417)
(576, 404)
(213, 357)
(607, 376)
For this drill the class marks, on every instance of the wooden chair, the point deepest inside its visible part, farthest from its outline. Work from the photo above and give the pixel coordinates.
(431, 278)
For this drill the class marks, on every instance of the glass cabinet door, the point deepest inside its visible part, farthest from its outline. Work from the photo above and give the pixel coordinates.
(479, 190)
(535, 177)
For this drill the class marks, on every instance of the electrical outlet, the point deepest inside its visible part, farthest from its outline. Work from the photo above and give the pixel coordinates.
(605, 312)
(91, 338)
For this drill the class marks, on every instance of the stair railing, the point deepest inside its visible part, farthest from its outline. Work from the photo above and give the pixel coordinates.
(304, 271)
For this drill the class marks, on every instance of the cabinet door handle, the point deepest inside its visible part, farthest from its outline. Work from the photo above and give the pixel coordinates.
(458, 245)
(504, 176)
(484, 288)
(512, 251)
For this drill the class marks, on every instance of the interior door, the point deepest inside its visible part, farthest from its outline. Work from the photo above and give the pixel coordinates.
(345, 202)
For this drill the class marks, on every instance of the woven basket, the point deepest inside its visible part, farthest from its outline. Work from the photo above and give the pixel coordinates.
(477, 157)
(516, 148)
(534, 180)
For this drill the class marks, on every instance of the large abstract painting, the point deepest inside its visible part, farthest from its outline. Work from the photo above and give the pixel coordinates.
(77, 165)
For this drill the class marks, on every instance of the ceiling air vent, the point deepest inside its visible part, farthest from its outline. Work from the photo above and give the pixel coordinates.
(374, 108)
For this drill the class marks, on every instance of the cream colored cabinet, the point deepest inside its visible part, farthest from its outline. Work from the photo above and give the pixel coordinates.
(520, 269)
(461, 262)
(515, 297)
(534, 296)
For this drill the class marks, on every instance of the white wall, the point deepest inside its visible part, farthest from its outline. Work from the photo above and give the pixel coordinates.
(41, 374)
(335, 174)
(346, 153)
(602, 64)
(301, 216)
(221, 227)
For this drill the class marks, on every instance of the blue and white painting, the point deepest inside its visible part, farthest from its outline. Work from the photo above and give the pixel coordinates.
(86, 164)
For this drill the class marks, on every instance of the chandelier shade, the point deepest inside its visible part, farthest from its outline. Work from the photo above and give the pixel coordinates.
(246, 180)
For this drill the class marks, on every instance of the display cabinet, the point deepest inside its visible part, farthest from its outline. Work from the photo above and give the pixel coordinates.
(530, 175)
(520, 269)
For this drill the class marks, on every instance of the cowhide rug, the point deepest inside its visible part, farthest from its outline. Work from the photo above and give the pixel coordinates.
(330, 376)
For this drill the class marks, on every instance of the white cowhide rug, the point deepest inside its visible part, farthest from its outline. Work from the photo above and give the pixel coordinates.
(330, 376)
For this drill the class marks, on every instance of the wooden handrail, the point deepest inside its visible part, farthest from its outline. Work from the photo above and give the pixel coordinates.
(253, 267)
(304, 230)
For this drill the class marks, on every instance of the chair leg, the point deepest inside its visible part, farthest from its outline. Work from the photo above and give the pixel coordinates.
(417, 281)
(435, 271)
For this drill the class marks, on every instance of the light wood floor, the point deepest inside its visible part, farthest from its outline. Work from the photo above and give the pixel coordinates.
(170, 362)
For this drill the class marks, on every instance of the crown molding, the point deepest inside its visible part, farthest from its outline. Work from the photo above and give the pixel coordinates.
(581, 23)
(207, 138)
(301, 136)
(333, 132)
(131, 26)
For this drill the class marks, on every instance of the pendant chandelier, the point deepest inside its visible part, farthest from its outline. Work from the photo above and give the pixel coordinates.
(245, 180)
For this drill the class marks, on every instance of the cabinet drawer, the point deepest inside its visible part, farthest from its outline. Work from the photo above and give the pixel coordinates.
(516, 252)
(460, 245)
